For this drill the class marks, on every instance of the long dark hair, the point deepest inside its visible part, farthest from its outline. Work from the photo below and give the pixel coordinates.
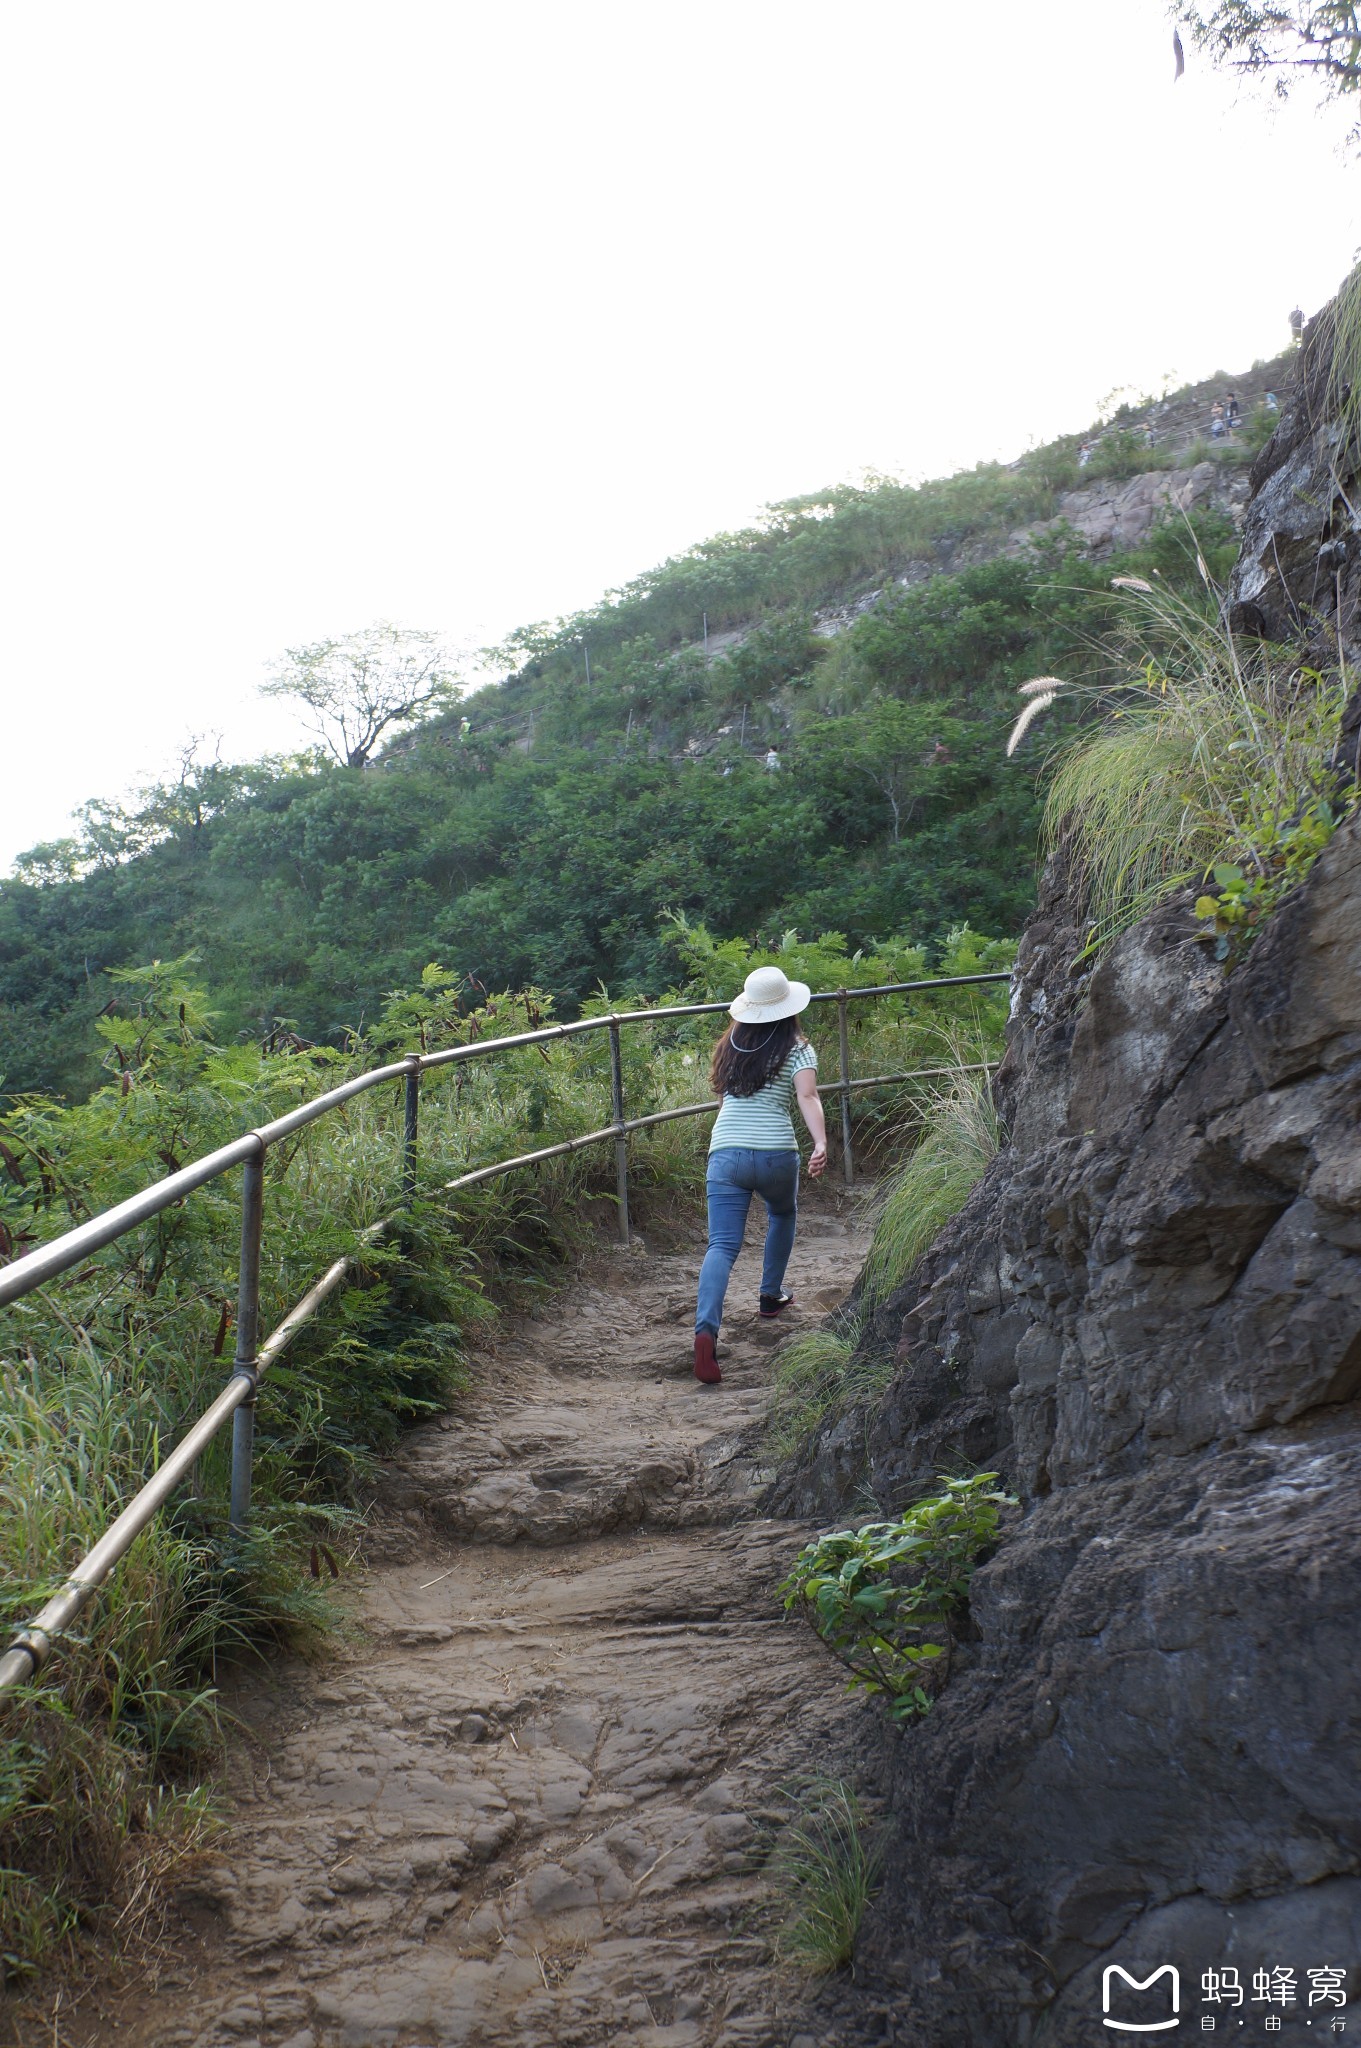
(749, 1056)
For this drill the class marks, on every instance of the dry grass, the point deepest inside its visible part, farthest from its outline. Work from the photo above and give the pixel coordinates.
(1344, 370)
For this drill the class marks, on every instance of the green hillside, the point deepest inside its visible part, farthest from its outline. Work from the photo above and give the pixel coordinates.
(537, 837)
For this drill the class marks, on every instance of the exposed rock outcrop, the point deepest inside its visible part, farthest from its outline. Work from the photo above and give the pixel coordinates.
(1123, 513)
(1149, 1317)
(1298, 574)
(1299, 568)
(1103, 516)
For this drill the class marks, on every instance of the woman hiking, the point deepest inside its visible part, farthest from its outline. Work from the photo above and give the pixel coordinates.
(760, 1064)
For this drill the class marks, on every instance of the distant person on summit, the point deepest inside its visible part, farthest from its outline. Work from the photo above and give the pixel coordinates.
(1232, 413)
(760, 1064)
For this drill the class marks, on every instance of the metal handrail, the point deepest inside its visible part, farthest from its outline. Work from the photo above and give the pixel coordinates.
(44, 1263)
(32, 1645)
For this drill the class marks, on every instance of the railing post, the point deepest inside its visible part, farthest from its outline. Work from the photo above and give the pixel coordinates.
(247, 1339)
(844, 1035)
(621, 1143)
(411, 1127)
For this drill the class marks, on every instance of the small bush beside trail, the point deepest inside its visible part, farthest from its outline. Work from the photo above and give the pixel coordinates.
(885, 1596)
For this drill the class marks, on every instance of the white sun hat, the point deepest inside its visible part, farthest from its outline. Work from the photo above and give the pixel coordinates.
(767, 994)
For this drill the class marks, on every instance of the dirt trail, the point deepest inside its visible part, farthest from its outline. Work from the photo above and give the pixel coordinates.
(523, 1810)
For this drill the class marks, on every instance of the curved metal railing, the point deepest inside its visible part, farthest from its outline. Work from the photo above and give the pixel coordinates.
(32, 1645)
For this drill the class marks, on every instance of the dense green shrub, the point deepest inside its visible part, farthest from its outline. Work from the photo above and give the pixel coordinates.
(885, 1596)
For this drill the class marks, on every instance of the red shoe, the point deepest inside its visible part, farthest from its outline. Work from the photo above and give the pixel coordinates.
(706, 1358)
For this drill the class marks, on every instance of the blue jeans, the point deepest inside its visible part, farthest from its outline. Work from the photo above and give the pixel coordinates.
(736, 1173)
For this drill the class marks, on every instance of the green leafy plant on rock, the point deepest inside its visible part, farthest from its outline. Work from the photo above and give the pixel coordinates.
(884, 1596)
(1285, 849)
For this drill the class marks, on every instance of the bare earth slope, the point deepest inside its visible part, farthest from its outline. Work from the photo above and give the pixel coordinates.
(524, 1809)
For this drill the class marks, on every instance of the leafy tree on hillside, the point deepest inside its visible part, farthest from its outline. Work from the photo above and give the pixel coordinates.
(917, 762)
(49, 862)
(770, 656)
(358, 686)
(1304, 39)
(950, 630)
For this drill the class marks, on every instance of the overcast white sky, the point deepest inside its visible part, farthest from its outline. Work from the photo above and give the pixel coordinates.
(320, 312)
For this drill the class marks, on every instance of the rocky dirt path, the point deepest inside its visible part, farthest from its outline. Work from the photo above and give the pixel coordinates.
(527, 1807)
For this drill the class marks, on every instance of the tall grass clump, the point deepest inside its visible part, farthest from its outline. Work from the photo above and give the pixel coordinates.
(825, 1870)
(818, 1374)
(1213, 753)
(99, 1780)
(960, 1135)
(1343, 397)
(83, 1825)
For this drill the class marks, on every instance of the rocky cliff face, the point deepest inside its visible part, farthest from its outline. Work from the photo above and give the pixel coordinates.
(1299, 567)
(1122, 513)
(1149, 1317)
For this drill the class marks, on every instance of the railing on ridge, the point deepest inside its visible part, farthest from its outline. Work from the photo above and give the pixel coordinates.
(31, 1647)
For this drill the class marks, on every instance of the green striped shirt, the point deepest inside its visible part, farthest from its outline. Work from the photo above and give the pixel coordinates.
(762, 1121)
